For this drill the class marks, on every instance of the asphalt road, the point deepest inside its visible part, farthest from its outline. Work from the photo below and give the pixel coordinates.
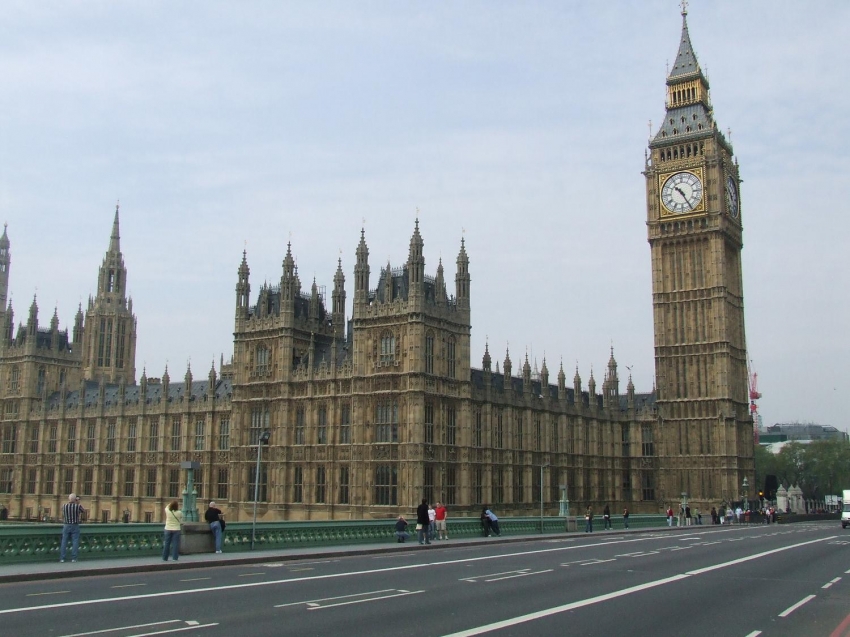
(739, 581)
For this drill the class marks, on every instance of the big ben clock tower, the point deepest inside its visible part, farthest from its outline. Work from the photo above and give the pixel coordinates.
(694, 224)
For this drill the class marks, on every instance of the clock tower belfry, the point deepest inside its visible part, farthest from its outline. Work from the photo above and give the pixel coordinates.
(694, 229)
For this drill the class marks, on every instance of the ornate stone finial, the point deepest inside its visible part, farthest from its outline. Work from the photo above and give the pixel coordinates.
(684, 5)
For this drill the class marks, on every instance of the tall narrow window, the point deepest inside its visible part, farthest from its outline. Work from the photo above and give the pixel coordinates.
(34, 439)
(519, 484)
(173, 483)
(88, 481)
(40, 381)
(450, 358)
(72, 438)
(175, 433)
(224, 434)
(477, 485)
(429, 353)
(150, 483)
(647, 444)
(14, 380)
(451, 426)
(49, 481)
(6, 479)
(221, 490)
(262, 359)
(10, 435)
(69, 480)
(345, 424)
(31, 479)
(299, 426)
(132, 434)
(321, 485)
(498, 485)
(200, 434)
(153, 434)
(53, 434)
(518, 432)
(129, 482)
(298, 485)
(451, 484)
(538, 434)
(386, 421)
(90, 430)
(624, 440)
(429, 422)
(322, 426)
(499, 430)
(386, 485)
(647, 486)
(477, 429)
(428, 486)
(119, 346)
(107, 479)
(343, 485)
(110, 436)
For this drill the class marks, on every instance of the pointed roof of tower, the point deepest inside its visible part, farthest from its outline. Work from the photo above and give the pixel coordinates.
(339, 277)
(686, 60)
(462, 256)
(362, 249)
(4, 240)
(115, 239)
(486, 360)
(416, 238)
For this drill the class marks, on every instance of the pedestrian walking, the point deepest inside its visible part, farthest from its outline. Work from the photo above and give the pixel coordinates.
(688, 518)
(441, 515)
(215, 518)
(72, 515)
(588, 520)
(423, 523)
(171, 535)
(713, 515)
(606, 518)
(669, 516)
(625, 518)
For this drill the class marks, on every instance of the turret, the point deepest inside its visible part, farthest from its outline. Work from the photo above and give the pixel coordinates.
(78, 327)
(211, 382)
(361, 271)
(486, 360)
(440, 284)
(9, 326)
(562, 383)
(577, 387)
(507, 369)
(526, 375)
(32, 322)
(591, 390)
(338, 302)
(5, 262)
(243, 288)
(462, 277)
(187, 383)
(314, 301)
(166, 384)
(416, 262)
(544, 378)
(54, 330)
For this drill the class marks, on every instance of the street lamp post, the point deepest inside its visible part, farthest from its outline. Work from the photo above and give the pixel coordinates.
(263, 439)
(541, 496)
(745, 487)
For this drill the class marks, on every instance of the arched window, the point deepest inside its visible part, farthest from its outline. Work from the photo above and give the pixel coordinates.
(262, 359)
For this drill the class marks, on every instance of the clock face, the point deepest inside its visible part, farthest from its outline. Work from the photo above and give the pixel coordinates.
(681, 193)
(732, 196)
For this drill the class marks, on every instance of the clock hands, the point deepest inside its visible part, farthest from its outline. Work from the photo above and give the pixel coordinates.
(684, 196)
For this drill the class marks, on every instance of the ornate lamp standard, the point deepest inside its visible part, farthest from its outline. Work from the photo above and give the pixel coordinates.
(745, 487)
(263, 439)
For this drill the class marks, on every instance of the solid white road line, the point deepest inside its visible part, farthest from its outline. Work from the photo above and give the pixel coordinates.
(794, 607)
(48, 593)
(195, 579)
(127, 585)
(121, 628)
(479, 630)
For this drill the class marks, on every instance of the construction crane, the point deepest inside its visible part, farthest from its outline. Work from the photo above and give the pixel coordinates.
(755, 394)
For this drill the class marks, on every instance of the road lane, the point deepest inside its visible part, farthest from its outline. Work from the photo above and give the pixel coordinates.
(422, 584)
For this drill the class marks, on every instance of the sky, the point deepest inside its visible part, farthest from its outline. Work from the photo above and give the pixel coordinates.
(519, 126)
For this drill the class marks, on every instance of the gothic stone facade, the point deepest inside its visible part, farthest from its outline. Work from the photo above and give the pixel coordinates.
(372, 412)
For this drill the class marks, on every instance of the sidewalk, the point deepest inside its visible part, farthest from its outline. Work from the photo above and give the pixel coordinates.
(85, 568)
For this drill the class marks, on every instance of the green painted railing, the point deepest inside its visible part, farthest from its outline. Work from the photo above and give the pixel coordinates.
(20, 543)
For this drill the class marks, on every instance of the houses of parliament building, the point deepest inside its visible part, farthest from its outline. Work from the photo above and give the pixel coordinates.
(371, 412)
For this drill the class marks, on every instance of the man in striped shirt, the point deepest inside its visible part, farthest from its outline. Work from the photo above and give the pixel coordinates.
(72, 514)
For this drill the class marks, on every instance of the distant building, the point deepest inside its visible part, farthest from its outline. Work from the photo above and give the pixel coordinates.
(797, 432)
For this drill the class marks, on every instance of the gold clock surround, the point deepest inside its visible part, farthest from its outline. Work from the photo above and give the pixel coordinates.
(699, 173)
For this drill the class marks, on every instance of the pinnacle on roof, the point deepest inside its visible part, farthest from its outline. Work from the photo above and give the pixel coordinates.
(4, 240)
(686, 60)
(115, 239)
